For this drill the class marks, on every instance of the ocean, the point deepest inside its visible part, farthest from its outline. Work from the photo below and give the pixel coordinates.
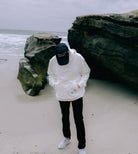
(12, 42)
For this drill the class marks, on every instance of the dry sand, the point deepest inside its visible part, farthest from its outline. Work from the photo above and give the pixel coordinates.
(32, 125)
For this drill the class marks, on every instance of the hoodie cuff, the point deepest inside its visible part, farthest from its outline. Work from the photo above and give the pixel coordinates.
(82, 84)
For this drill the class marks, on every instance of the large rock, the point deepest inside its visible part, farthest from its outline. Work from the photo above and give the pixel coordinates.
(39, 48)
(109, 42)
(29, 78)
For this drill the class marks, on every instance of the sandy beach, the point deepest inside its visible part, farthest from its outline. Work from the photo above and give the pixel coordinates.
(32, 125)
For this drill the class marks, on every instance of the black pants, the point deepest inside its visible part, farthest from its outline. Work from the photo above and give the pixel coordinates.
(78, 118)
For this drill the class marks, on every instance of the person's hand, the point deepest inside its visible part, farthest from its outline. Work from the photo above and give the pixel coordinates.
(54, 86)
(78, 85)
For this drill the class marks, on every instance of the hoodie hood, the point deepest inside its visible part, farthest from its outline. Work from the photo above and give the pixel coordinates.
(62, 54)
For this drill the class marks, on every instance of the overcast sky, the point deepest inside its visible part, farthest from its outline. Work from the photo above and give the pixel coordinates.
(55, 15)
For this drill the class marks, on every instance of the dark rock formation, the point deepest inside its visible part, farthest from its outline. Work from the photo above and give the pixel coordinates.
(109, 42)
(39, 49)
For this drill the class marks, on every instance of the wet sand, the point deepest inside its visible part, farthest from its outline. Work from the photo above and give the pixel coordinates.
(32, 125)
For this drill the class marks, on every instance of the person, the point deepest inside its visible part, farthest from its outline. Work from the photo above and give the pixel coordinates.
(68, 73)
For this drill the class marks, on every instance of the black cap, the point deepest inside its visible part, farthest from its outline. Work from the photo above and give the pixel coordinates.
(62, 54)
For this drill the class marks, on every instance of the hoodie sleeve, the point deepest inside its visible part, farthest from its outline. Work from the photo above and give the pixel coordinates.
(85, 72)
(51, 74)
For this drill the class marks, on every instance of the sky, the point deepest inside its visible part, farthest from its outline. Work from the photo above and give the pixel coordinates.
(55, 15)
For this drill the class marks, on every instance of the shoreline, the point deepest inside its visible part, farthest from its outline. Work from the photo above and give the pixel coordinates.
(32, 125)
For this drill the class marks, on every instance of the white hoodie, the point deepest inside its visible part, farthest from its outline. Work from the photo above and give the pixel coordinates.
(65, 78)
